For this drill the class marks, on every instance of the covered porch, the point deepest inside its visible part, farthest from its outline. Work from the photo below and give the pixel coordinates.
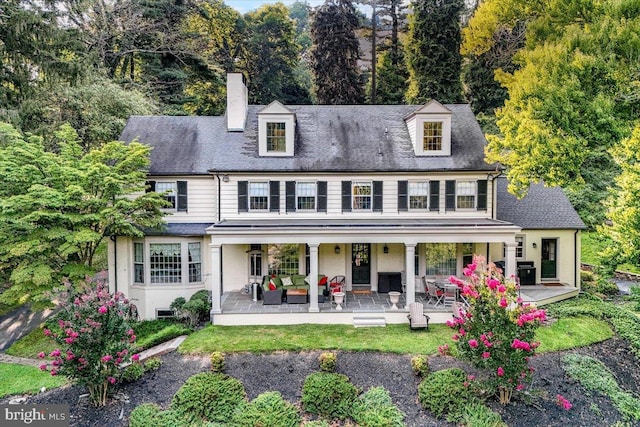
(360, 309)
(332, 248)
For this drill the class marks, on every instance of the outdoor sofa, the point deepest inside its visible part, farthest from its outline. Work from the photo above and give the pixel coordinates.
(274, 287)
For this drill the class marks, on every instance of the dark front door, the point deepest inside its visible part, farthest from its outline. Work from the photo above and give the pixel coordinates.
(360, 263)
(549, 257)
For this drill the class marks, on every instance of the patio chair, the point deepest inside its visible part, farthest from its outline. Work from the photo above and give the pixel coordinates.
(416, 316)
(436, 296)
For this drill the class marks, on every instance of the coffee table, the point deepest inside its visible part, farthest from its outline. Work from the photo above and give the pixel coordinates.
(296, 296)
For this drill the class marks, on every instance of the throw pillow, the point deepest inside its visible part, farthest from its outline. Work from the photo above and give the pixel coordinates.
(286, 281)
(323, 281)
(272, 286)
(308, 280)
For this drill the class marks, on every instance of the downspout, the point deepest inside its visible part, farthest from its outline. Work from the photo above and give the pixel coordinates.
(575, 258)
(219, 188)
(114, 239)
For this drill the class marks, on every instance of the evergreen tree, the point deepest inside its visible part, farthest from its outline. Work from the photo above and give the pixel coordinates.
(271, 57)
(335, 53)
(392, 78)
(432, 50)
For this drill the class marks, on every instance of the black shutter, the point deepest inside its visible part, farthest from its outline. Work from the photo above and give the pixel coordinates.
(482, 194)
(450, 195)
(290, 190)
(377, 196)
(243, 196)
(434, 195)
(322, 196)
(182, 196)
(403, 204)
(274, 196)
(346, 196)
(150, 187)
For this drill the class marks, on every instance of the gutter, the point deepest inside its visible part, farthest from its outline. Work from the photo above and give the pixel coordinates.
(575, 258)
(219, 188)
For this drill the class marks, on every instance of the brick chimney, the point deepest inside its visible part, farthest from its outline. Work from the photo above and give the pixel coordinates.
(237, 102)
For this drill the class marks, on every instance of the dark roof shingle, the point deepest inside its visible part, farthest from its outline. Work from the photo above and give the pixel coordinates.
(542, 208)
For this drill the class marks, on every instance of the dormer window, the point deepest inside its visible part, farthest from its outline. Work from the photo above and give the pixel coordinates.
(276, 137)
(430, 130)
(276, 130)
(432, 136)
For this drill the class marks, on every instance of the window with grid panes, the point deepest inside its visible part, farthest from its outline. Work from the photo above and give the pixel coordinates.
(276, 137)
(419, 195)
(283, 259)
(169, 189)
(519, 248)
(195, 262)
(432, 136)
(465, 195)
(361, 196)
(138, 262)
(165, 262)
(305, 196)
(258, 196)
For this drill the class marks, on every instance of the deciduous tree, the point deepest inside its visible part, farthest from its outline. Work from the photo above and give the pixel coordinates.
(56, 208)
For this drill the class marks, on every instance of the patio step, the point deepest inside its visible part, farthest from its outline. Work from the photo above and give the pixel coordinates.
(367, 320)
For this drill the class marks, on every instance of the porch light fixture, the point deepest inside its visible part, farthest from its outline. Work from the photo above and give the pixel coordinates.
(535, 245)
(337, 249)
(225, 178)
(385, 249)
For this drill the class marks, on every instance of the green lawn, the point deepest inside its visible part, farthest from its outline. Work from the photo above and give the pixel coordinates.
(19, 379)
(564, 334)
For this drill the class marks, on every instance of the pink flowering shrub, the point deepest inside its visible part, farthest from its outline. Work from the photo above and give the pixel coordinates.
(497, 330)
(94, 337)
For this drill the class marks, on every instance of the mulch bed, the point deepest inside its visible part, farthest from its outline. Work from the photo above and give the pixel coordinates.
(285, 372)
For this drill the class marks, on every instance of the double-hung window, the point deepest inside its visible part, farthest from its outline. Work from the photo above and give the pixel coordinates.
(306, 196)
(138, 262)
(419, 195)
(519, 248)
(195, 262)
(258, 196)
(465, 194)
(169, 189)
(361, 196)
(276, 137)
(432, 136)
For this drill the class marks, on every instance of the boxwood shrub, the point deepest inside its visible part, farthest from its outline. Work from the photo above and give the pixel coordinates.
(443, 392)
(268, 409)
(376, 409)
(209, 396)
(329, 394)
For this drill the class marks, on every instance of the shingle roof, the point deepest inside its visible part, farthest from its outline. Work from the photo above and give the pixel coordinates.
(345, 138)
(542, 208)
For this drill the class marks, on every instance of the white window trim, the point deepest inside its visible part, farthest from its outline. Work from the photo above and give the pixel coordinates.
(288, 120)
(524, 248)
(175, 195)
(249, 196)
(353, 196)
(409, 196)
(314, 184)
(445, 119)
(184, 262)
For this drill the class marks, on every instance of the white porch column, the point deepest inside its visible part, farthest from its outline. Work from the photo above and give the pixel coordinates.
(410, 263)
(510, 264)
(313, 272)
(216, 284)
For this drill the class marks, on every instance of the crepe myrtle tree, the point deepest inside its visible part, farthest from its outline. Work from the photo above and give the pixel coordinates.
(497, 331)
(94, 336)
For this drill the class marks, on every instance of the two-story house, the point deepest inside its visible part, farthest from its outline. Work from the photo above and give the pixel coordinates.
(361, 191)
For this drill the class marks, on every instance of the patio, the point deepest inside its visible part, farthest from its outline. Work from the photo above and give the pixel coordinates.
(372, 309)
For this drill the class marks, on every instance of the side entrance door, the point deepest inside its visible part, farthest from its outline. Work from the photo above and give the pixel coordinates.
(549, 257)
(360, 263)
